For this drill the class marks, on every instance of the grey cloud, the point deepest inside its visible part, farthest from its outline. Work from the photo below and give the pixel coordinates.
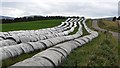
(88, 9)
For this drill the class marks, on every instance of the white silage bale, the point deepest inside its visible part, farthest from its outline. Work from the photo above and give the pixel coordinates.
(46, 42)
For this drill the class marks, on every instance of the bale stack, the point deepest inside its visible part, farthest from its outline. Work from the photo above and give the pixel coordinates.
(53, 56)
(56, 41)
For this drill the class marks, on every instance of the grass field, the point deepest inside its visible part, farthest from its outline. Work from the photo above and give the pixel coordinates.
(32, 25)
(109, 25)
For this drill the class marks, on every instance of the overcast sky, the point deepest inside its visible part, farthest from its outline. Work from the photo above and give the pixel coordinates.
(87, 8)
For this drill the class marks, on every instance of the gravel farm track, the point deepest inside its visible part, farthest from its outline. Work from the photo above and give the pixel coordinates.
(95, 25)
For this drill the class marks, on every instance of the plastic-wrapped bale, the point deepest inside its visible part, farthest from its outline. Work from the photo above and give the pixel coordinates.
(69, 31)
(84, 39)
(42, 37)
(37, 45)
(61, 24)
(7, 42)
(32, 31)
(46, 42)
(6, 53)
(79, 32)
(36, 61)
(53, 56)
(50, 36)
(3, 43)
(3, 54)
(56, 35)
(67, 46)
(70, 37)
(13, 51)
(23, 39)
(66, 32)
(66, 28)
(72, 29)
(72, 44)
(62, 38)
(15, 38)
(0, 55)
(32, 39)
(60, 30)
(36, 38)
(95, 34)
(27, 38)
(80, 41)
(75, 19)
(89, 37)
(74, 26)
(53, 28)
(71, 24)
(77, 44)
(71, 20)
(11, 42)
(68, 20)
(76, 35)
(61, 34)
(1, 34)
(1, 39)
(17, 49)
(26, 47)
(6, 34)
(92, 36)
(61, 51)
(65, 25)
(54, 41)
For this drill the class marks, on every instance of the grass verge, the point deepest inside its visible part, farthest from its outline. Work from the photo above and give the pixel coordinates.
(109, 25)
(101, 51)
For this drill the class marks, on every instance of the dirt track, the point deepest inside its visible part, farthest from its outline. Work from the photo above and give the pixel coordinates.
(95, 25)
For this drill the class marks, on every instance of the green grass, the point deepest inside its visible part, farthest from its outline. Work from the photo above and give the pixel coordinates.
(31, 25)
(109, 25)
(99, 52)
(89, 23)
(119, 51)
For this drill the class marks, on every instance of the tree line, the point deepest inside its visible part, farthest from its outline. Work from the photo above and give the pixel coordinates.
(115, 18)
(34, 18)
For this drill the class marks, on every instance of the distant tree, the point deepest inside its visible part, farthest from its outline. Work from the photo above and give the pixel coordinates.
(114, 18)
(32, 18)
(118, 18)
(83, 17)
